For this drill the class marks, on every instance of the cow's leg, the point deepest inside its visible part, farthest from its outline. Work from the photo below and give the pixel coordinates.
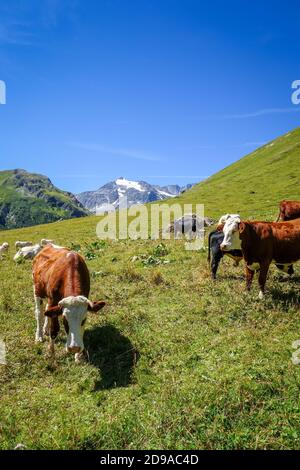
(291, 270)
(216, 258)
(39, 318)
(264, 268)
(46, 327)
(54, 330)
(51, 350)
(249, 277)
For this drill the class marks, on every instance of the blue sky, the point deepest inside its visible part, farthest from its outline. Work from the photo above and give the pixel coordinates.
(168, 91)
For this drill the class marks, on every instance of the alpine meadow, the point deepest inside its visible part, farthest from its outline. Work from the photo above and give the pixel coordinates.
(175, 360)
(149, 232)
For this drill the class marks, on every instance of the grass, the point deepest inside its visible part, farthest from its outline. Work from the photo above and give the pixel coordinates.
(176, 361)
(254, 185)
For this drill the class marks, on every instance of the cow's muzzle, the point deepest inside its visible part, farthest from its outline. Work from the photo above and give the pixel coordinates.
(224, 247)
(74, 349)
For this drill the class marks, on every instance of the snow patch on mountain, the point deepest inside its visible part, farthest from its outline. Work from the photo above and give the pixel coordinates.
(129, 184)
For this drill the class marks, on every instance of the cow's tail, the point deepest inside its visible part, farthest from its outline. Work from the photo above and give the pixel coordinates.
(208, 255)
(281, 212)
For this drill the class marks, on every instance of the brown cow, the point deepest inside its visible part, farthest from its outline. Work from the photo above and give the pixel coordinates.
(289, 210)
(263, 243)
(62, 277)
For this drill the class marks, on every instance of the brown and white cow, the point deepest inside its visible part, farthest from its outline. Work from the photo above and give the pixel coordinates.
(61, 276)
(263, 243)
(289, 210)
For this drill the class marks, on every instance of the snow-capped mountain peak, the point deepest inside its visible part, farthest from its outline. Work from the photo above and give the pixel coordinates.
(136, 192)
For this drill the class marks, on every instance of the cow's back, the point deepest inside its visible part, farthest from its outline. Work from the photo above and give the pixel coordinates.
(289, 210)
(59, 273)
(286, 241)
(279, 242)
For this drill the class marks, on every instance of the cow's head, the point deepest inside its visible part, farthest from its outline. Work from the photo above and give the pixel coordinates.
(224, 219)
(231, 233)
(74, 311)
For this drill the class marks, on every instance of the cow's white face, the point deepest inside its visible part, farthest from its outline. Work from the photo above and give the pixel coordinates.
(226, 217)
(231, 234)
(75, 313)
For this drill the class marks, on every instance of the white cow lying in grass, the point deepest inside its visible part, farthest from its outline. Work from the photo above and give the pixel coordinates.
(20, 244)
(28, 252)
(3, 248)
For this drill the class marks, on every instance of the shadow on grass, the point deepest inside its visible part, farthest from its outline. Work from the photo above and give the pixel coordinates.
(289, 279)
(232, 277)
(113, 354)
(288, 298)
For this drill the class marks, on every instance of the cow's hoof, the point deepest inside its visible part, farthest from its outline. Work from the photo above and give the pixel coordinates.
(80, 358)
(261, 295)
(50, 355)
(39, 339)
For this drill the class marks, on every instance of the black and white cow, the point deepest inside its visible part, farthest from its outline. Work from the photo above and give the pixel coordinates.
(215, 253)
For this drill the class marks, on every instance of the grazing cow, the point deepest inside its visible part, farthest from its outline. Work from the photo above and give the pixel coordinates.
(61, 276)
(289, 210)
(263, 243)
(190, 225)
(28, 252)
(19, 244)
(215, 254)
(45, 242)
(3, 248)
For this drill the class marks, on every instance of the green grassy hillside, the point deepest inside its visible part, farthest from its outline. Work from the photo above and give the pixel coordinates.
(28, 199)
(255, 184)
(176, 361)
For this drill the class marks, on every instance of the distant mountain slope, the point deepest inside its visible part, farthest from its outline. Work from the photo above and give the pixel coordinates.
(255, 184)
(28, 199)
(137, 192)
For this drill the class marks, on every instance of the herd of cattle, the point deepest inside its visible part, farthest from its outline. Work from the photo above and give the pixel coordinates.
(25, 250)
(61, 277)
(258, 243)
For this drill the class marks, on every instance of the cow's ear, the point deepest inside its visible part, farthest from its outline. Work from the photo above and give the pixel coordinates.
(242, 227)
(95, 306)
(54, 311)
